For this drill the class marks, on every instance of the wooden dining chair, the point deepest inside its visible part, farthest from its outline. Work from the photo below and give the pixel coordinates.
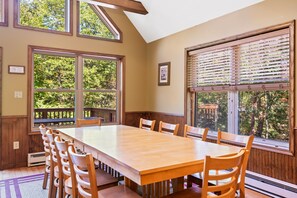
(87, 182)
(201, 132)
(168, 128)
(62, 147)
(46, 147)
(88, 122)
(233, 163)
(56, 167)
(229, 138)
(147, 124)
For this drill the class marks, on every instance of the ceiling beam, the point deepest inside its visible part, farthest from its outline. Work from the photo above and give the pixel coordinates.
(127, 5)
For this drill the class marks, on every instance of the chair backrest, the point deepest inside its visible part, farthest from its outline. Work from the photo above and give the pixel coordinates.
(212, 164)
(88, 122)
(246, 142)
(84, 169)
(199, 131)
(168, 128)
(147, 124)
(55, 156)
(62, 147)
(45, 139)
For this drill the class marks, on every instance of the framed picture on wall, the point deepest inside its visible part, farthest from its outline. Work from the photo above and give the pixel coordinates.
(164, 74)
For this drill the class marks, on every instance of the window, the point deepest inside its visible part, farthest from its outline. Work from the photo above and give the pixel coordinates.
(95, 23)
(45, 15)
(70, 85)
(245, 86)
(3, 12)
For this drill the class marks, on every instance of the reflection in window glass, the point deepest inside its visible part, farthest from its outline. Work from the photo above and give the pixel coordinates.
(212, 111)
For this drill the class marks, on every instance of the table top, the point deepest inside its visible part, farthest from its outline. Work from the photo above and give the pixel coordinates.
(145, 152)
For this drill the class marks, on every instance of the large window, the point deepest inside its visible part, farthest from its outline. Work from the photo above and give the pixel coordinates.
(245, 86)
(3, 12)
(68, 85)
(45, 15)
(95, 23)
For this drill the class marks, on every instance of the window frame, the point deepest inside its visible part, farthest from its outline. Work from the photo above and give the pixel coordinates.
(5, 13)
(68, 25)
(106, 19)
(190, 93)
(78, 69)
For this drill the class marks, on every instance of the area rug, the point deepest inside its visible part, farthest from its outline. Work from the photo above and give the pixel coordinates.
(23, 187)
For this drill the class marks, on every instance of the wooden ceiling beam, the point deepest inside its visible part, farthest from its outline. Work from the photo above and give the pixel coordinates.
(127, 5)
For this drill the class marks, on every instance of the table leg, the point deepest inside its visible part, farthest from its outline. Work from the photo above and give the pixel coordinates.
(131, 184)
(178, 184)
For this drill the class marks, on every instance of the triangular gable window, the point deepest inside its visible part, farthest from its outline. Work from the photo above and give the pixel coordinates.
(94, 22)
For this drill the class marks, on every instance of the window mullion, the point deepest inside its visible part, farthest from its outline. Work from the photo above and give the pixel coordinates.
(79, 106)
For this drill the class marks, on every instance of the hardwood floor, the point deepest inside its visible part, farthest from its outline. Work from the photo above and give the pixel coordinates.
(25, 171)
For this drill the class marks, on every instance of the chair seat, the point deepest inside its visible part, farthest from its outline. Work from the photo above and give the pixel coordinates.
(117, 192)
(187, 193)
(104, 179)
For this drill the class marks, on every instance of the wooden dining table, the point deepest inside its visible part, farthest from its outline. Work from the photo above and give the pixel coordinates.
(142, 156)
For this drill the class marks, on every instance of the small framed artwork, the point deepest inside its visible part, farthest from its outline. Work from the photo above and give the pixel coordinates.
(164, 74)
(16, 69)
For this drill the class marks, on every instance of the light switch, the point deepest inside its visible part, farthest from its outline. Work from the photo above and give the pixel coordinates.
(18, 94)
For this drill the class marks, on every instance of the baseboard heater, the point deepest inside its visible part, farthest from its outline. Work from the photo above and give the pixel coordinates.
(35, 159)
(270, 186)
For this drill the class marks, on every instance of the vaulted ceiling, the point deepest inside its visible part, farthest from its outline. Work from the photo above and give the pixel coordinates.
(166, 17)
(155, 19)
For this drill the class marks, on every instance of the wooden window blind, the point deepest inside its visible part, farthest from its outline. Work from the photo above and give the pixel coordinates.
(258, 61)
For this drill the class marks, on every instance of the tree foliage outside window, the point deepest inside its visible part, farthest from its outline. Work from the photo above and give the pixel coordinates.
(92, 24)
(45, 14)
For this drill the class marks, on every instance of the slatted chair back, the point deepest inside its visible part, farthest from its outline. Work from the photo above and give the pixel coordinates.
(84, 169)
(202, 132)
(246, 142)
(213, 164)
(147, 124)
(62, 147)
(88, 122)
(45, 139)
(168, 128)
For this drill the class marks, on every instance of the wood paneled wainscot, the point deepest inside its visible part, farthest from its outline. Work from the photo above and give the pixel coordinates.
(14, 129)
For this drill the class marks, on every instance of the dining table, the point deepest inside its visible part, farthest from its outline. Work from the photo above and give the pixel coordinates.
(145, 157)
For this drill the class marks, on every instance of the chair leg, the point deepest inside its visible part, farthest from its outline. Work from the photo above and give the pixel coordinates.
(45, 180)
(51, 186)
(61, 190)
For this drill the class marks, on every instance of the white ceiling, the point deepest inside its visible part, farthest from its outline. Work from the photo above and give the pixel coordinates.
(167, 17)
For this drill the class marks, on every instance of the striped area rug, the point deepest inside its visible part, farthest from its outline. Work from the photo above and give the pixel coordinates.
(23, 187)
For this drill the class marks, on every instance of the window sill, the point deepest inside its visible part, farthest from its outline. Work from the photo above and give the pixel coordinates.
(259, 143)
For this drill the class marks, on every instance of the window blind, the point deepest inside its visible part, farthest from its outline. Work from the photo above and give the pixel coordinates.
(254, 61)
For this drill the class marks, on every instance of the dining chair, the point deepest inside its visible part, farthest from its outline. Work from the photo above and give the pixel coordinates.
(147, 124)
(87, 181)
(46, 147)
(62, 147)
(168, 128)
(233, 163)
(88, 122)
(227, 139)
(201, 132)
(56, 167)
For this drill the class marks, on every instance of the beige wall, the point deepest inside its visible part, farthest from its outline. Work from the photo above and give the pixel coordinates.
(170, 99)
(15, 51)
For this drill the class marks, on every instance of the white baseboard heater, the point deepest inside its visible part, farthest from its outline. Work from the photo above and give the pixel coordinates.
(270, 186)
(35, 159)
